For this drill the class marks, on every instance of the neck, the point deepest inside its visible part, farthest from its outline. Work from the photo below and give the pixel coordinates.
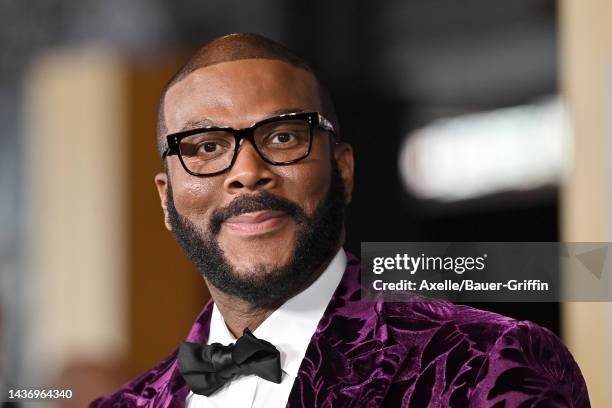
(237, 313)
(240, 314)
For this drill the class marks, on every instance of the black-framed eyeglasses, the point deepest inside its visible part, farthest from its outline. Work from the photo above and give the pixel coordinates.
(280, 140)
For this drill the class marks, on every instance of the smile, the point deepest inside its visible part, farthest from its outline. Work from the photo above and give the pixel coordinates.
(257, 222)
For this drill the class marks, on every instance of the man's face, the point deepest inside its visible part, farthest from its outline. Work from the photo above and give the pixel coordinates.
(237, 94)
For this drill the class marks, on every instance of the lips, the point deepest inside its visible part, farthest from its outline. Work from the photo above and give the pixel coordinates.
(256, 222)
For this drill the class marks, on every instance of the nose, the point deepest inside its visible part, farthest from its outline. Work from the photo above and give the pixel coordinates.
(249, 171)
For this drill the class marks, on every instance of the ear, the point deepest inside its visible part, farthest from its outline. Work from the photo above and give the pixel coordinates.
(343, 153)
(161, 182)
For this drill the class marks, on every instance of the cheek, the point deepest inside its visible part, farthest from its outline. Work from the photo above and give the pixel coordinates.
(193, 196)
(309, 183)
(311, 177)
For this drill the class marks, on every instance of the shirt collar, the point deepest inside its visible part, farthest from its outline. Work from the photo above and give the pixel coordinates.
(291, 326)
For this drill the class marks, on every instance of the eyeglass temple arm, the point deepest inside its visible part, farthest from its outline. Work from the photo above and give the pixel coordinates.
(167, 152)
(327, 125)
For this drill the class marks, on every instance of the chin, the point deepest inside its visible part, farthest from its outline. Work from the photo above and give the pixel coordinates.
(258, 263)
(257, 272)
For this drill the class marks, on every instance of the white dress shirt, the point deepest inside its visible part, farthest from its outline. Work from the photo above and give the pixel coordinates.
(289, 328)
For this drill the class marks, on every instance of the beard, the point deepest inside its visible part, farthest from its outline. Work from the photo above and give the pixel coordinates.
(316, 239)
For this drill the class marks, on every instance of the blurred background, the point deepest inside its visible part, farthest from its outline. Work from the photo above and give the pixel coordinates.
(470, 121)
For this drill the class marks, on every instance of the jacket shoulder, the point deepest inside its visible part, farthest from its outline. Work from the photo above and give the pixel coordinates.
(480, 358)
(529, 365)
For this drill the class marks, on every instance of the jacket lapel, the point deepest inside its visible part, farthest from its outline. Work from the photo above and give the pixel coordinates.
(351, 359)
(170, 385)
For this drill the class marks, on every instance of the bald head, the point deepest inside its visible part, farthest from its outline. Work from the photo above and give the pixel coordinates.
(234, 47)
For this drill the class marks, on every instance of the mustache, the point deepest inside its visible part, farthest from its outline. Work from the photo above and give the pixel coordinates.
(259, 202)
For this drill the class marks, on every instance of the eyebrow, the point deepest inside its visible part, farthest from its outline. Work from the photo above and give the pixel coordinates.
(200, 123)
(206, 122)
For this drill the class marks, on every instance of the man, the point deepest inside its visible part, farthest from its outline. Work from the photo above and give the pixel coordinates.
(255, 184)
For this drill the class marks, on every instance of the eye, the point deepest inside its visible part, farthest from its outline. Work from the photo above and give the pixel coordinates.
(281, 138)
(208, 147)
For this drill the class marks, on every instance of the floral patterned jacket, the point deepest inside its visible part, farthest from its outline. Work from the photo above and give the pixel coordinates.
(414, 354)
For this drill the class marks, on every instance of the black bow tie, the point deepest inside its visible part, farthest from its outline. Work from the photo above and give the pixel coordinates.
(206, 368)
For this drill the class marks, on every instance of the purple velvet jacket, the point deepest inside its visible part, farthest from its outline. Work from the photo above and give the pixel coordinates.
(413, 354)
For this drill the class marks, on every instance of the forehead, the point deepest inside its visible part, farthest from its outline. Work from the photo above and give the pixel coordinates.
(239, 93)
